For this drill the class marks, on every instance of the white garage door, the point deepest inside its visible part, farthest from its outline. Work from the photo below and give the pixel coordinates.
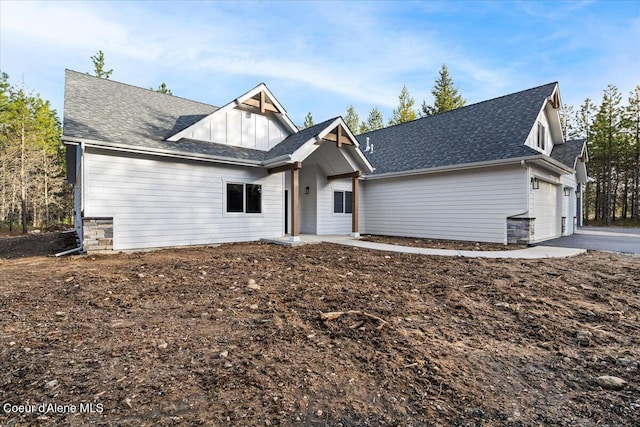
(545, 210)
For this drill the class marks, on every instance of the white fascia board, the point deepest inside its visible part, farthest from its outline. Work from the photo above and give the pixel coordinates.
(553, 165)
(368, 168)
(467, 166)
(278, 161)
(160, 152)
(555, 124)
(305, 150)
(585, 152)
(284, 119)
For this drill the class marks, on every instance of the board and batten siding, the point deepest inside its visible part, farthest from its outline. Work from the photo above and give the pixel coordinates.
(159, 203)
(468, 205)
(241, 129)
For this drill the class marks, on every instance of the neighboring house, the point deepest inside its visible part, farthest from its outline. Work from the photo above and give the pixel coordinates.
(153, 170)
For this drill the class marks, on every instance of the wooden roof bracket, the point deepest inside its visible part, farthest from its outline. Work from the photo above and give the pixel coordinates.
(355, 174)
(284, 168)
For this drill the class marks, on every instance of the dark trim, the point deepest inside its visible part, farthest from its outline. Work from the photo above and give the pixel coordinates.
(284, 168)
(355, 174)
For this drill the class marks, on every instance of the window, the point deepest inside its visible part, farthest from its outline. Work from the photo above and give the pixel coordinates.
(253, 195)
(342, 202)
(244, 198)
(234, 197)
(541, 136)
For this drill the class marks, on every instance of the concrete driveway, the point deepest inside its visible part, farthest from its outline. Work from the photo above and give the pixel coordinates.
(608, 239)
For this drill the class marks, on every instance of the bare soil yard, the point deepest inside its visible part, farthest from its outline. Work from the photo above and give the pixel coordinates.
(234, 335)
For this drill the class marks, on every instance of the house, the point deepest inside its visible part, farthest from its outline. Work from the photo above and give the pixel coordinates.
(153, 170)
(496, 171)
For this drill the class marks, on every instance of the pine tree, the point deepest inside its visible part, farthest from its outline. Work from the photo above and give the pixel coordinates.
(98, 66)
(163, 89)
(632, 125)
(445, 94)
(584, 122)
(405, 112)
(308, 120)
(374, 121)
(607, 137)
(352, 119)
(567, 122)
(31, 161)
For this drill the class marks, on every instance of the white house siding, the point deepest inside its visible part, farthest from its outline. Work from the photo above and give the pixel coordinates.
(569, 203)
(242, 129)
(329, 222)
(156, 202)
(468, 205)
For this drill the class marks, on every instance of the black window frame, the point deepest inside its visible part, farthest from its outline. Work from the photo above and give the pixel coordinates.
(249, 204)
(342, 202)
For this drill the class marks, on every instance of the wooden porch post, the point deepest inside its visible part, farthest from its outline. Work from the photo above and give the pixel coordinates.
(354, 207)
(295, 204)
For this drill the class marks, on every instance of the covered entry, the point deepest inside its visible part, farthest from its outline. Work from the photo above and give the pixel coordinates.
(322, 181)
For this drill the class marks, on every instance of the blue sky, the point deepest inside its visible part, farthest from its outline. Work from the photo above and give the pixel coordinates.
(323, 56)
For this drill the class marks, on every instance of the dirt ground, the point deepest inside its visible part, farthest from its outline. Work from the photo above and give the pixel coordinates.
(234, 335)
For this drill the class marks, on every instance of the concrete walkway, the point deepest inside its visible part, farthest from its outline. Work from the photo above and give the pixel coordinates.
(535, 252)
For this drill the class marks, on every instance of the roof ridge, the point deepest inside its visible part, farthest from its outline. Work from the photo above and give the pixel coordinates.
(139, 88)
(465, 106)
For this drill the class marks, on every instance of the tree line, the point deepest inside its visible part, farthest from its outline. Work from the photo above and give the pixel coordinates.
(445, 94)
(33, 191)
(612, 131)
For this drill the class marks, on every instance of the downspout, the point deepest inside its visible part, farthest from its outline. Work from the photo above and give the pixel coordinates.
(70, 251)
(80, 167)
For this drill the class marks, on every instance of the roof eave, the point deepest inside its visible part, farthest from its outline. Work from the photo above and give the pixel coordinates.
(475, 165)
(160, 152)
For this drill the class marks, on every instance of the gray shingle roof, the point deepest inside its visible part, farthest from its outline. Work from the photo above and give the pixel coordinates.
(109, 111)
(568, 152)
(295, 141)
(490, 130)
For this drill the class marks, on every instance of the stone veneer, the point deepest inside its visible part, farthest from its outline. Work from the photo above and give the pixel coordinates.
(97, 234)
(520, 230)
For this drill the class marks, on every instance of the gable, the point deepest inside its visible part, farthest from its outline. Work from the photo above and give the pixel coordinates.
(239, 127)
(548, 124)
(254, 120)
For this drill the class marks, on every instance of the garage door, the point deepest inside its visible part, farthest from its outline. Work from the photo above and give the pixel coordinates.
(545, 211)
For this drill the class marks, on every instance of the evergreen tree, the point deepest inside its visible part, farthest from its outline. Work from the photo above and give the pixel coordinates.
(98, 66)
(31, 161)
(405, 112)
(632, 125)
(584, 122)
(445, 94)
(567, 122)
(374, 121)
(352, 119)
(163, 89)
(607, 138)
(308, 120)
